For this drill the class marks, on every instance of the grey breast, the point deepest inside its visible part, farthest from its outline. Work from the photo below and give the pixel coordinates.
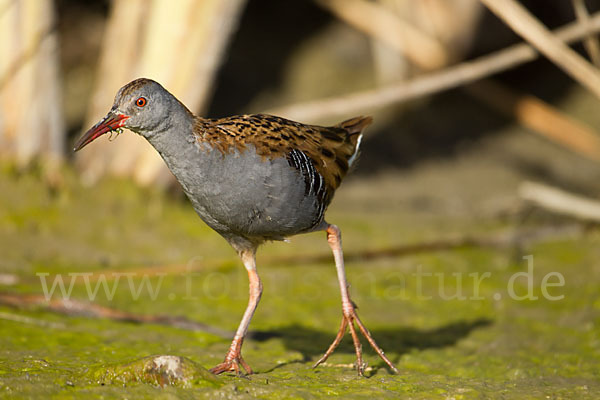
(243, 193)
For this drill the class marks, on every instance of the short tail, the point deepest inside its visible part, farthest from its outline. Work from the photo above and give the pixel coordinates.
(354, 127)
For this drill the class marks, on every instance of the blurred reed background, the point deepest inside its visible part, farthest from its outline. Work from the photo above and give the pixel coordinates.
(61, 61)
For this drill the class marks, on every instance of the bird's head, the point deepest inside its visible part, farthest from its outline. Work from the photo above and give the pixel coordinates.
(142, 106)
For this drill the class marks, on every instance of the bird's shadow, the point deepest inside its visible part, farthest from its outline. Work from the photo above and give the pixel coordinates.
(312, 343)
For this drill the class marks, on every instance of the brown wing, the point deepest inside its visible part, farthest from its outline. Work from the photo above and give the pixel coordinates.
(329, 148)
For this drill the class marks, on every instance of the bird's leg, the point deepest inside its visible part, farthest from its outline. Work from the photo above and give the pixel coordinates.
(349, 316)
(234, 359)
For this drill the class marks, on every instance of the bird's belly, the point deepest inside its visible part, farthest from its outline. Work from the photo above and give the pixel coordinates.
(242, 193)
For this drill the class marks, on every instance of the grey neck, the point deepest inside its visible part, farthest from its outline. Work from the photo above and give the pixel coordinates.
(176, 138)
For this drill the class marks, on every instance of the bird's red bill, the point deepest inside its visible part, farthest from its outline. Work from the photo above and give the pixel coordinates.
(111, 122)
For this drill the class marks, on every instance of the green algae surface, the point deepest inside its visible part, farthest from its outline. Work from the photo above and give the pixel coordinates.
(464, 322)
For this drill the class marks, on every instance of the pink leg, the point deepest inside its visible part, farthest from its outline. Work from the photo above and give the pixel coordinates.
(349, 316)
(234, 359)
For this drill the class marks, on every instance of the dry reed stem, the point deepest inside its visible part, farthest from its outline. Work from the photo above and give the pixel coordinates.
(329, 109)
(531, 29)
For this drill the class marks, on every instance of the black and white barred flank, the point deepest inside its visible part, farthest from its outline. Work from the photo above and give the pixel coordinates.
(314, 182)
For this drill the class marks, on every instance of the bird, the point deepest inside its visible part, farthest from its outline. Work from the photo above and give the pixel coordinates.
(252, 178)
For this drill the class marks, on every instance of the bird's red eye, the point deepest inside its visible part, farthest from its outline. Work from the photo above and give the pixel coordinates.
(141, 102)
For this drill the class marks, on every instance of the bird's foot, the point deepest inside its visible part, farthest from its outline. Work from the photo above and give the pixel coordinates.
(233, 361)
(232, 365)
(349, 318)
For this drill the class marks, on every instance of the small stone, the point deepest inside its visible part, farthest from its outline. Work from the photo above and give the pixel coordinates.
(162, 370)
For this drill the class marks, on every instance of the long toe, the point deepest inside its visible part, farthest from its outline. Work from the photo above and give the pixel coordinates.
(349, 321)
(372, 342)
(335, 343)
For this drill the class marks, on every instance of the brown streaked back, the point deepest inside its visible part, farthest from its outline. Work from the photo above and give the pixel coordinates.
(330, 148)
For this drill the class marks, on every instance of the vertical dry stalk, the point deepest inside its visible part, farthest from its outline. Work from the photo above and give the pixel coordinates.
(31, 121)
